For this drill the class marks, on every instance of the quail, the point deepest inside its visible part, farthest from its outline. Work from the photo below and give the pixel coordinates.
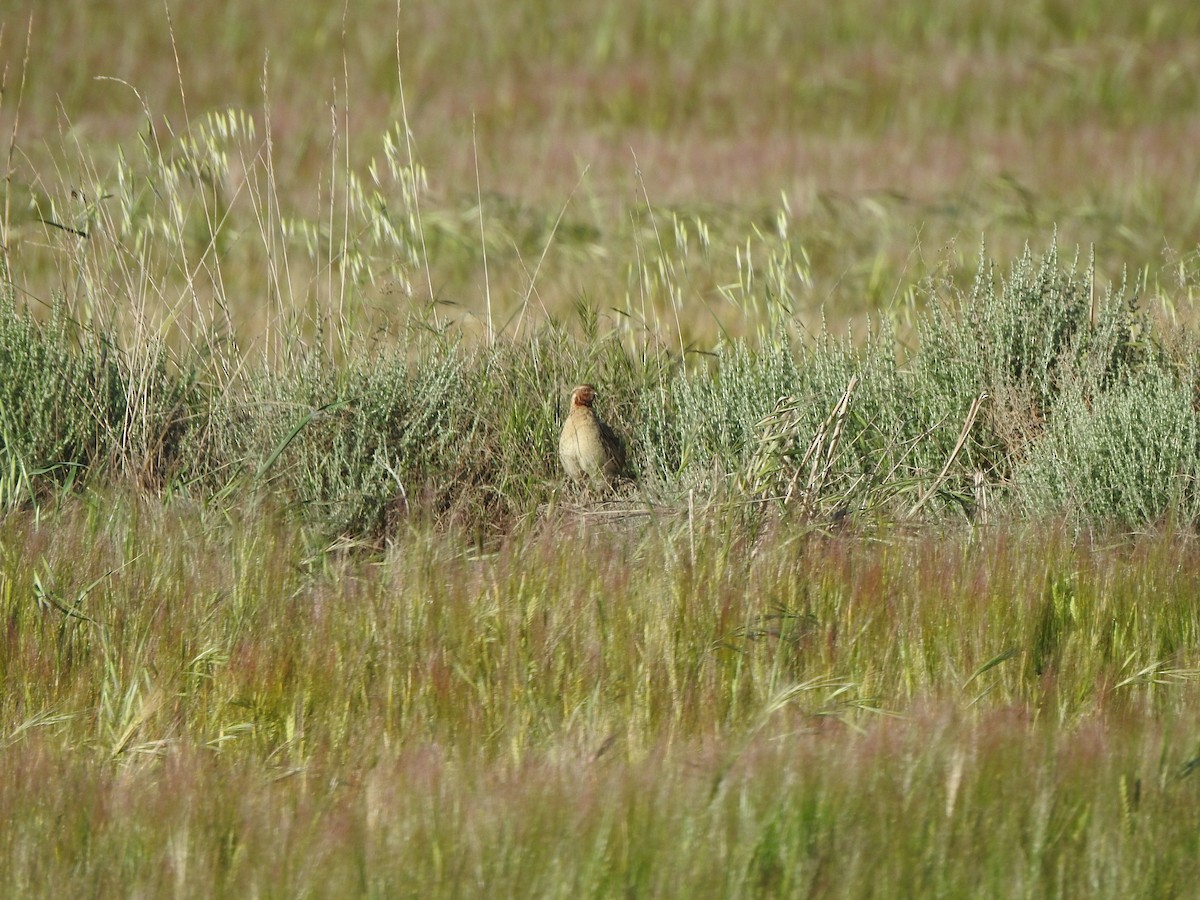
(588, 448)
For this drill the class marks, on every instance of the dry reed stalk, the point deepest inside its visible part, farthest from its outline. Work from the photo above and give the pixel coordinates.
(972, 413)
(818, 449)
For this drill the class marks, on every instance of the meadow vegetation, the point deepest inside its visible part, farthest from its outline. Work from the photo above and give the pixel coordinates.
(892, 303)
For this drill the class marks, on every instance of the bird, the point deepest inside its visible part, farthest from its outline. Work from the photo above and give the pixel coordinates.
(588, 448)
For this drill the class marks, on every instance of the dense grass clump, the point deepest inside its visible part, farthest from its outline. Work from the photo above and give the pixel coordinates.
(74, 405)
(1027, 396)
(60, 401)
(1130, 455)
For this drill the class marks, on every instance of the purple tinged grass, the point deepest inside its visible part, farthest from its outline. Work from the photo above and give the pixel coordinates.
(199, 701)
(582, 709)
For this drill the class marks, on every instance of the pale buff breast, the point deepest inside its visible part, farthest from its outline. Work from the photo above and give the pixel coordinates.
(587, 447)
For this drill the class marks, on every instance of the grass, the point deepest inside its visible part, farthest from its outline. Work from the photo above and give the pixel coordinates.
(901, 602)
(200, 705)
(1028, 396)
(618, 160)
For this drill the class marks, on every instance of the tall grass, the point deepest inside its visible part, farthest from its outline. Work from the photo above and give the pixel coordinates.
(989, 398)
(1030, 394)
(899, 601)
(585, 144)
(201, 705)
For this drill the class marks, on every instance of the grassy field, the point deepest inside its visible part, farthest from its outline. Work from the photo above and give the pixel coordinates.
(893, 304)
(201, 706)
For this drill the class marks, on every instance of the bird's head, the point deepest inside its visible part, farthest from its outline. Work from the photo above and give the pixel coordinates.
(583, 395)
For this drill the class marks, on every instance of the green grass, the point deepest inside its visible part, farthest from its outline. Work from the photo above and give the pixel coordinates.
(199, 706)
(893, 304)
(1029, 396)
